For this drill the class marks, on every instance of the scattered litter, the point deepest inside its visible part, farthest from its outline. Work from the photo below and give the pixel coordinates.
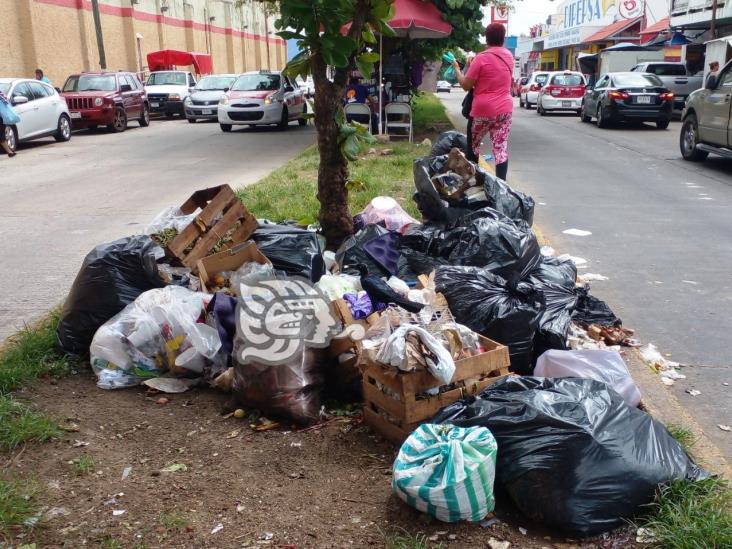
(493, 543)
(233, 434)
(118, 512)
(57, 512)
(524, 531)
(71, 428)
(79, 444)
(170, 385)
(239, 413)
(591, 277)
(162, 401)
(296, 444)
(705, 198)
(665, 368)
(577, 232)
(690, 282)
(268, 536)
(645, 535)
(725, 384)
(217, 528)
(724, 427)
(175, 468)
(113, 499)
(452, 537)
(240, 508)
(693, 392)
(126, 472)
(547, 251)
(489, 522)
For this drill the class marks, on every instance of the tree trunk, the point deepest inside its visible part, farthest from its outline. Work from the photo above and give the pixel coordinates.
(335, 219)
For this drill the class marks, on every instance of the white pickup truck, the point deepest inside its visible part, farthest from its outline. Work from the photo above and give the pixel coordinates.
(166, 91)
(675, 77)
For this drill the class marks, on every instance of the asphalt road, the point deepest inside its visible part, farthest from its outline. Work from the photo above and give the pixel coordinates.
(59, 200)
(660, 232)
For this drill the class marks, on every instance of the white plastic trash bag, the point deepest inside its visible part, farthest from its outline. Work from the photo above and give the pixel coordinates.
(170, 218)
(394, 353)
(598, 364)
(157, 333)
(386, 210)
(447, 472)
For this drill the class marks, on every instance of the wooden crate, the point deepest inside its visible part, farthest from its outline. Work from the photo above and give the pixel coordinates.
(395, 414)
(221, 211)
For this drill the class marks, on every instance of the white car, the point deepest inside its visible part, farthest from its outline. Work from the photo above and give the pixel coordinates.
(444, 86)
(167, 90)
(262, 97)
(42, 111)
(530, 91)
(307, 86)
(563, 91)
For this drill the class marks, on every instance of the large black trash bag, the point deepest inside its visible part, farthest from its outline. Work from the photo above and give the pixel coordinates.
(571, 454)
(447, 141)
(352, 251)
(295, 251)
(508, 201)
(429, 202)
(507, 312)
(489, 239)
(591, 310)
(111, 277)
(556, 280)
(420, 247)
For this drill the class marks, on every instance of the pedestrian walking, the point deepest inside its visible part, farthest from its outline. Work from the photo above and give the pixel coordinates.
(7, 117)
(490, 76)
(43, 78)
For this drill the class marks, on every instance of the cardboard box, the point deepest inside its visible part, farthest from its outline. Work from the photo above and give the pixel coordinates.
(395, 412)
(221, 211)
(230, 260)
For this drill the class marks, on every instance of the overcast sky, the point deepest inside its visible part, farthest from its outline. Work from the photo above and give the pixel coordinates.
(528, 13)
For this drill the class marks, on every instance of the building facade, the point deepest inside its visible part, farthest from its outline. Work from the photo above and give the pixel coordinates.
(60, 36)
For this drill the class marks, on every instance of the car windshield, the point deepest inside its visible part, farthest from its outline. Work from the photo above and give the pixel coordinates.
(210, 83)
(90, 82)
(567, 80)
(633, 79)
(257, 82)
(167, 78)
(541, 78)
(4, 88)
(668, 70)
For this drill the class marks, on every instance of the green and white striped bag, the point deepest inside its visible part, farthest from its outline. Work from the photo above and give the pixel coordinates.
(447, 472)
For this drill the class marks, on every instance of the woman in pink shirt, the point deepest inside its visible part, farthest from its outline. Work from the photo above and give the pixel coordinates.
(490, 76)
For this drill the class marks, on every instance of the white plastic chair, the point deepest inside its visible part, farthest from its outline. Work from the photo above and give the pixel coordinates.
(359, 109)
(403, 120)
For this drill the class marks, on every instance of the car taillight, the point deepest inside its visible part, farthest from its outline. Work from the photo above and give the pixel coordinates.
(553, 90)
(618, 95)
(666, 96)
(534, 87)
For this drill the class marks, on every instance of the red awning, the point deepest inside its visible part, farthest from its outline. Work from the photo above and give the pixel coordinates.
(167, 59)
(659, 26)
(419, 19)
(609, 32)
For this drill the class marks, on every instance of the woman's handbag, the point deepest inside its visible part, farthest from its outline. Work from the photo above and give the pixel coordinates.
(468, 104)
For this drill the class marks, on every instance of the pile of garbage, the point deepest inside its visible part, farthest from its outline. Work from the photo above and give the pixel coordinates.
(407, 316)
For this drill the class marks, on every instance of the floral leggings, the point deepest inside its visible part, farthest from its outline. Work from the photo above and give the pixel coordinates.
(499, 128)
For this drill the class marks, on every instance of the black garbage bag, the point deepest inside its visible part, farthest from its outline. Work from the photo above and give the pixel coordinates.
(352, 251)
(111, 277)
(591, 310)
(295, 251)
(572, 454)
(556, 280)
(447, 141)
(507, 312)
(488, 239)
(508, 201)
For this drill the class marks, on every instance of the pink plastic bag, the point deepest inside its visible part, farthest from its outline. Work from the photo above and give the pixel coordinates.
(387, 210)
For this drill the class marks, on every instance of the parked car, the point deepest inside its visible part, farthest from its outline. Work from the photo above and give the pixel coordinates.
(42, 111)
(675, 77)
(625, 96)
(166, 91)
(203, 102)
(109, 99)
(563, 91)
(444, 86)
(262, 97)
(307, 86)
(530, 91)
(705, 122)
(517, 85)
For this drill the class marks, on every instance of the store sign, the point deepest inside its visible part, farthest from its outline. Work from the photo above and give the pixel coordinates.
(499, 14)
(585, 12)
(562, 38)
(630, 9)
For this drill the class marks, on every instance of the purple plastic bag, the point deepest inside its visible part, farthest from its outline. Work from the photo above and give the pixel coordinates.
(360, 305)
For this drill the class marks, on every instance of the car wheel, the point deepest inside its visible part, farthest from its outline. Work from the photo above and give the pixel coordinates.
(585, 117)
(540, 110)
(225, 127)
(662, 124)
(602, 122)
(690, 139)
(191, 120)
(11, 138)
(303, 121)
(63, 130)
(145, 119)
(284, 120)
(119, 124)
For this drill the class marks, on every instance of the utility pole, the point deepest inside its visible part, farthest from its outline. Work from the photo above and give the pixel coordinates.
(100, 36)
(713, 28)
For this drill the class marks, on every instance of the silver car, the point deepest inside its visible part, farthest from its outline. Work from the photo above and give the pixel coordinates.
(42, 111)
(203, 101)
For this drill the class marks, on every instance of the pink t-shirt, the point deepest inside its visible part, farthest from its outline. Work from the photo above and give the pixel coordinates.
(492, 71)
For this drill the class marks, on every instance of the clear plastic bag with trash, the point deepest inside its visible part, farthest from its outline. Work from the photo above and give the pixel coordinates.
(170, 218)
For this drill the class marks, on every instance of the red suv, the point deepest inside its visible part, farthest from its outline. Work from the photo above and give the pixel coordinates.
(109, 99)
